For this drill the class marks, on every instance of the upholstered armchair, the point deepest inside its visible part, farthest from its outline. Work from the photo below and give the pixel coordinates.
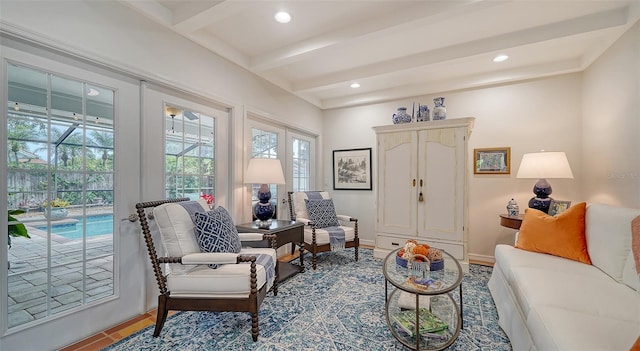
(192, 280)
(324, 229)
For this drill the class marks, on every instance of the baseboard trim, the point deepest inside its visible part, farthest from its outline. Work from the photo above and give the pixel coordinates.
(482, 259)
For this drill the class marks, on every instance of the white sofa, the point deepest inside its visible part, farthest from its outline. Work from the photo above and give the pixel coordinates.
(546, 302)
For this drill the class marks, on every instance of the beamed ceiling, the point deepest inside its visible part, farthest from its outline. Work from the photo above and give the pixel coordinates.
(397, 49)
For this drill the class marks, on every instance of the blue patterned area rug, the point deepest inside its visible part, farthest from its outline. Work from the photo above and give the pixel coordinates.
(340, 306)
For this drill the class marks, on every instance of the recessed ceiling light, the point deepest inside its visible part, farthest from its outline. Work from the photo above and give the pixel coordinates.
(283, 17)
(500, 58)
(93, 92)
(355, 85)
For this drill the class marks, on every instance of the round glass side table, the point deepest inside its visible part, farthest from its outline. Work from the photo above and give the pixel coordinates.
(420, 309)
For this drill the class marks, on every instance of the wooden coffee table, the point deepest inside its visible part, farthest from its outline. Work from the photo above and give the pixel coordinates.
(286, 232)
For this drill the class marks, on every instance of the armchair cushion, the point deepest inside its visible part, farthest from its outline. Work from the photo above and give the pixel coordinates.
(177, 231)
(299, 205)
(228, 280)
(322, 212)
(210, 258)
(216, 232)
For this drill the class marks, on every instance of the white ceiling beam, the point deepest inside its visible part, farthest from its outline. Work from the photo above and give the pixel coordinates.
(421, 13)
(479, 80)
(608, 19)
(151, 9)
(202, 18)
(218, 47)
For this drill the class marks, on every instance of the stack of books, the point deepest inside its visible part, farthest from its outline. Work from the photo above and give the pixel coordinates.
(430, 325)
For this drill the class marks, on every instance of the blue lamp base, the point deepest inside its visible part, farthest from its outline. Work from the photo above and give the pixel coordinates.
(263, 210)
(541, 201)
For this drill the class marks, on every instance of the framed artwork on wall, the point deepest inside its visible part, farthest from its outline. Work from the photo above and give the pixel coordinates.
(558, 206)
(352, 169)
(496, 160)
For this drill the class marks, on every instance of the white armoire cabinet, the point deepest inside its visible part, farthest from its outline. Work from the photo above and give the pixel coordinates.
(422, 185)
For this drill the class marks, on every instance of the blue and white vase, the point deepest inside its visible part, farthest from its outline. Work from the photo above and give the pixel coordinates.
(401, 116)
(424, 114)
(439, 111)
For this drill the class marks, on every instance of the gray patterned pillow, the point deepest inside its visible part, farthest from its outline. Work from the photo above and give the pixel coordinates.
(216, 232)
(322, 213)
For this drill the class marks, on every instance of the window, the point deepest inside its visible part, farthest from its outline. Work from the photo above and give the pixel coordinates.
(60, 171)
(301, 157)
(189, 153)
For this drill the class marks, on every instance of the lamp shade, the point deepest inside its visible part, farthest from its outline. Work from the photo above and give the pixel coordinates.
(264, 171)
(544, 165)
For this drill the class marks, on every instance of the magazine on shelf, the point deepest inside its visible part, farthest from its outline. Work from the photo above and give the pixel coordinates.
(429, 323)
(424, 283)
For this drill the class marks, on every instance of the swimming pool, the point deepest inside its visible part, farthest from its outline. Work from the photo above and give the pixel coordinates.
(96, 225)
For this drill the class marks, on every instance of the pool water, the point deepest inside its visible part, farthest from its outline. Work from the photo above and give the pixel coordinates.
(96, 225)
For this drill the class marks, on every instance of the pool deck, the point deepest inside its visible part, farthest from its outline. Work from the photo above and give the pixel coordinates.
(32, 296)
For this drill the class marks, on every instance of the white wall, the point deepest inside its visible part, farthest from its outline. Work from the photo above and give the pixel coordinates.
(611, 128)
(527, 116)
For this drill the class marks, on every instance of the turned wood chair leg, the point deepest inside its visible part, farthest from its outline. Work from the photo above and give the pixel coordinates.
(254, 326)
(161, 314)
(356, 253)
(314, 259)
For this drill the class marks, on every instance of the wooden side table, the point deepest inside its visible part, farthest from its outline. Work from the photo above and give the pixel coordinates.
(286, 232)
(511, 222)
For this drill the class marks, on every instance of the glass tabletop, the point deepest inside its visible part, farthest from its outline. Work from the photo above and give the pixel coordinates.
(426, 281)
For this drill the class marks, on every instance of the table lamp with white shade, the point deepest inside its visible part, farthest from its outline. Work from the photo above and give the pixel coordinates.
(543, 166)
(264, 171)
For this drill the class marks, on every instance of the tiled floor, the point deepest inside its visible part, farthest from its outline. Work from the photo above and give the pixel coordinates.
(112, 335)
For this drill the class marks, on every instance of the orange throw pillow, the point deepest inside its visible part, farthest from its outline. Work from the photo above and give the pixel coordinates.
(562, 235)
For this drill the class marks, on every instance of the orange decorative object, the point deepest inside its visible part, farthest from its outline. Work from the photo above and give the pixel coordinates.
(420, 250)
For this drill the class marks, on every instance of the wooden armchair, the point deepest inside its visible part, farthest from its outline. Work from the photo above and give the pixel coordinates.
(320, 227)
(184, 277)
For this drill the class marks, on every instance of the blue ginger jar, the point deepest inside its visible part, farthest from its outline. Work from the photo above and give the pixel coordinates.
(401, 116)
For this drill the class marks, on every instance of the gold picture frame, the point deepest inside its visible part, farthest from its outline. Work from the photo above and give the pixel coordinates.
(495, 160)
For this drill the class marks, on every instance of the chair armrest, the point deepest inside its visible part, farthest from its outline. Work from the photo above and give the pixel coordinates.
(303, 221)
(346, 218)
(210, 258)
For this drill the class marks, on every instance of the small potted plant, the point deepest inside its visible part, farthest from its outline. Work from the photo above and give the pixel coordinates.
(16, 230)
(55, 209)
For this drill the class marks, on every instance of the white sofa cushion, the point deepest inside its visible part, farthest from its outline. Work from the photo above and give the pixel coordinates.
(608, 232)
(556, 296)
(556, 328)
(540, 279)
